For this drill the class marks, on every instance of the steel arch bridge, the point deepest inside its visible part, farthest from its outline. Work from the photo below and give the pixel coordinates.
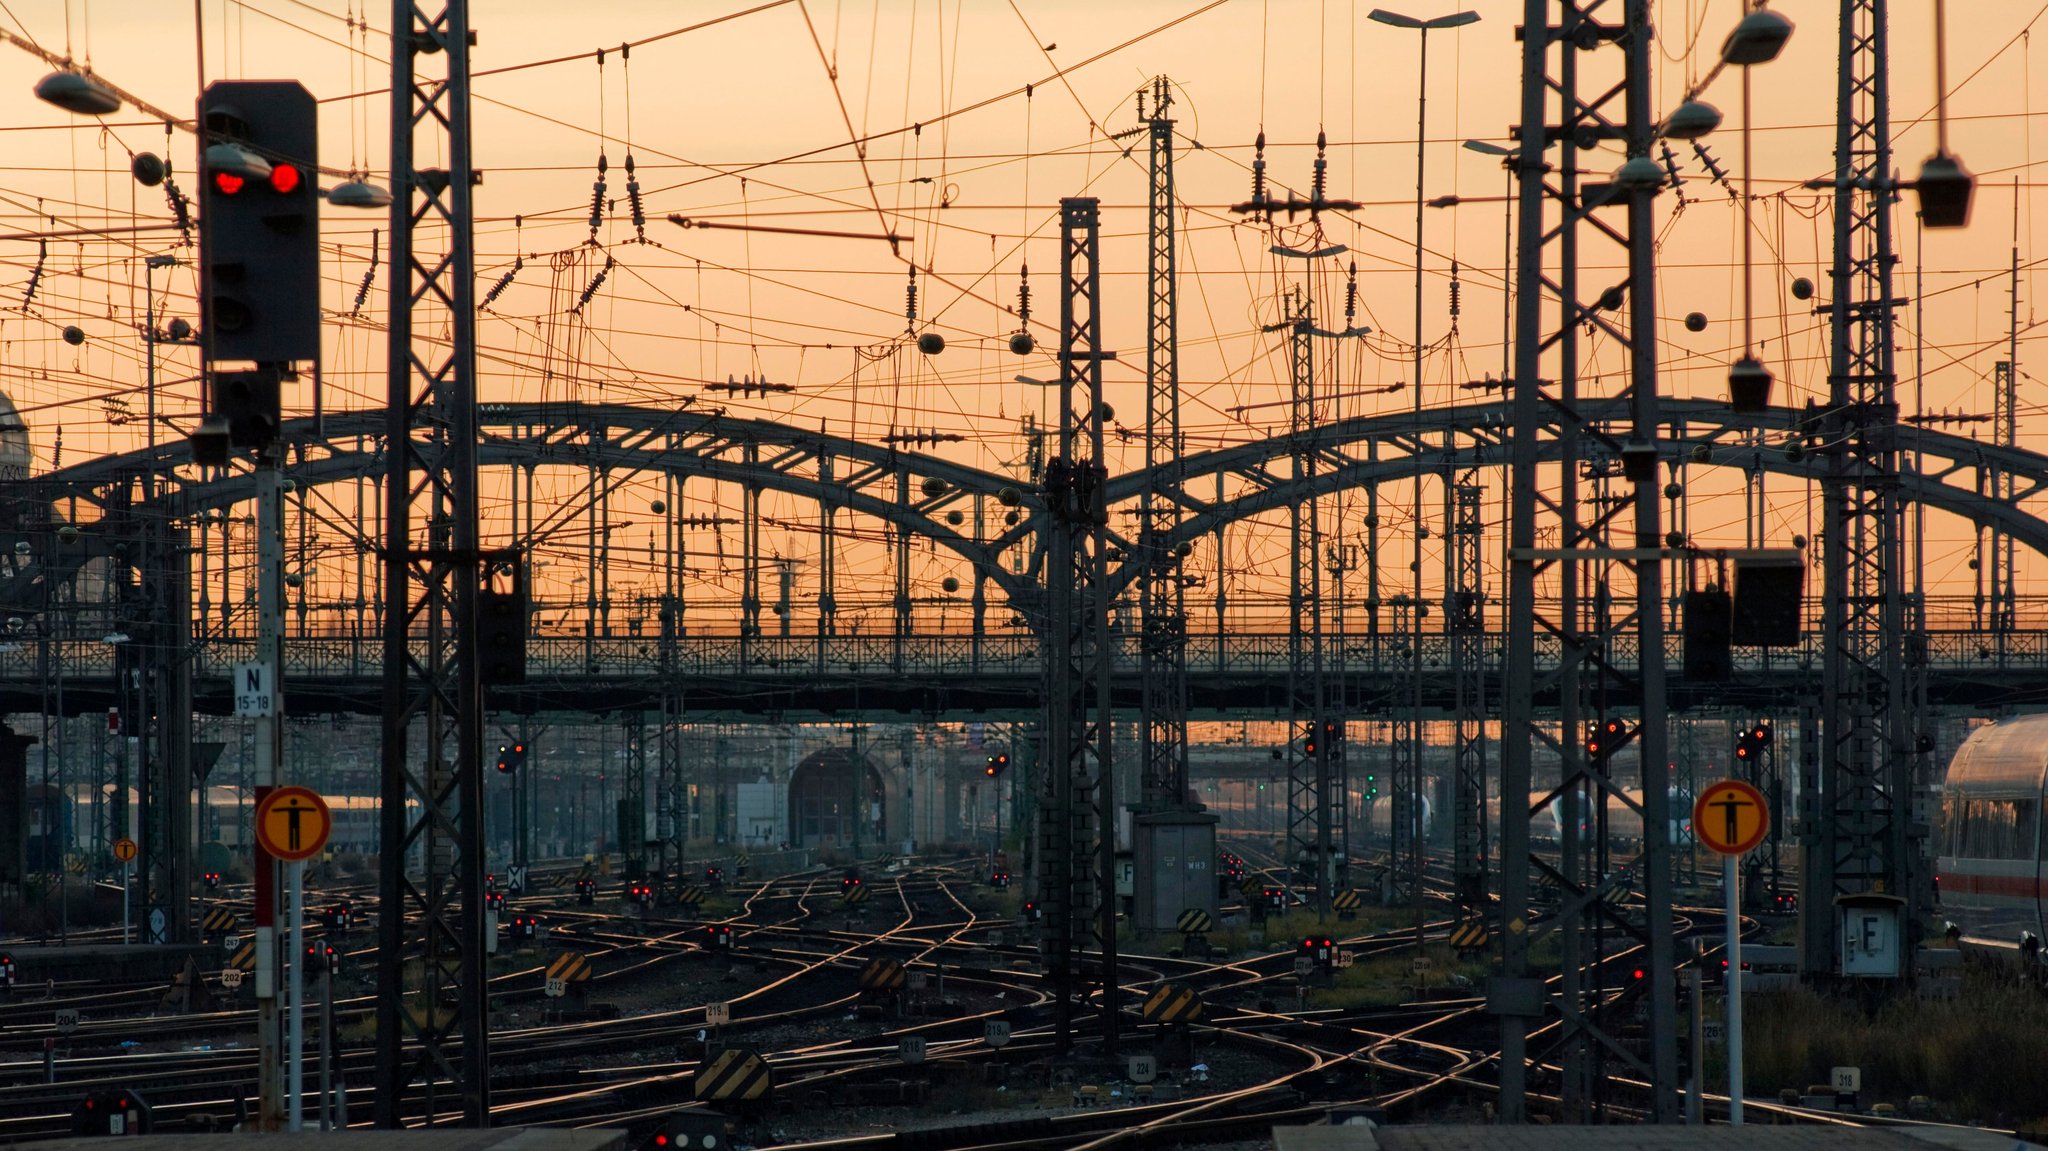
(987, 522)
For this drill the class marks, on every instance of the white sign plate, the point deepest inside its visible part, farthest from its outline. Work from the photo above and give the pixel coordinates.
(1849, 1079)
(1304, 966)
(1713, 1032)
(67, 1019)
(556, 989)
(1142, 1069)
(918, 979)
(910, 1048)
(255, 689)
(996, 1032)
(231, 978)
(1345, 958)
(718, 1014)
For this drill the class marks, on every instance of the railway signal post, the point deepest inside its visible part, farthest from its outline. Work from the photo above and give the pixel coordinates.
(292, 825)
(1731, 817)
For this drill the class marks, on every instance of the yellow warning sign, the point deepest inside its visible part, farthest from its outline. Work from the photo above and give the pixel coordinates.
(1731, 817)
(124, 849)
(292, 823)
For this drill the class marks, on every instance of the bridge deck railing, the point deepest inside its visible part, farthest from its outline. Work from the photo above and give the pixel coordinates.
(1225, 656)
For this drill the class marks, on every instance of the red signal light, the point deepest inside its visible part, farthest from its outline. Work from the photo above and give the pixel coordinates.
(284, 178)
(661, 1140)
(227, 182)
(1639, 973)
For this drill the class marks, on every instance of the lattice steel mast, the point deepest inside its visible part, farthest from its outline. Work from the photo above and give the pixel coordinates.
(1859, 832)
(1162, 596)
(1465, 623)
(1316, 804)
(431, 1006)
(1550, 317)
(1077, 830)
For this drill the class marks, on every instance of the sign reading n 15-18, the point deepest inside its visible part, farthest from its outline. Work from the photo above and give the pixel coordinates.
(255, 689)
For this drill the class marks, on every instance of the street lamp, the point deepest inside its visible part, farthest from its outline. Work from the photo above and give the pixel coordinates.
(1757, 39)
(1396, 20)
(1507, 237)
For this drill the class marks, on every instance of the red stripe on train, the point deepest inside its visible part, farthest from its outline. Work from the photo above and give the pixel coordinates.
(2013, 886)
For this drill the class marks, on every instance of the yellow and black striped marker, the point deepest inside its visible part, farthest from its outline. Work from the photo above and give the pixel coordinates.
(244, 958)
(881, 975)
(855, 896)
(1346, 903)
(219, 921)
(736, 1074)
(690, 895)
(1172, 1003)
(1469, 935)
(1251, 884)
(1195, 921)
(885, 859)
(570, 967)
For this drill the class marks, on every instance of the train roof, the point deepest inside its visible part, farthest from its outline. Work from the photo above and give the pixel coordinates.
(2003, 760)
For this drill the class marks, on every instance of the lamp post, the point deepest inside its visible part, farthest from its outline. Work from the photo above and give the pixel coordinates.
(1414, 810)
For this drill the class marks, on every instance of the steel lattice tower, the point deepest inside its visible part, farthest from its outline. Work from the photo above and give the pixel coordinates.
(1550, 318)
(1465, 621)
(433, 795)
(1077, 831)
(1316, 807)
(1860, 834)
(1162, 602)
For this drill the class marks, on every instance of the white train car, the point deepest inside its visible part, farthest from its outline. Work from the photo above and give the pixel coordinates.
(1988, 847)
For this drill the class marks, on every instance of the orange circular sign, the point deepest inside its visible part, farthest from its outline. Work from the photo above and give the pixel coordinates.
(1731, 817)
(292, 823)
(124, 850)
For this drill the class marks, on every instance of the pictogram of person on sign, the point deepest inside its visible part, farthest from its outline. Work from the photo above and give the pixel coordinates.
(295, 810)
(1731, 808)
